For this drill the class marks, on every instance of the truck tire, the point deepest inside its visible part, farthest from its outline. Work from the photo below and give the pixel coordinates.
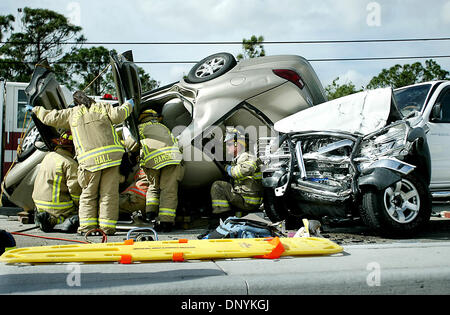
(274, 206)
(399, 210)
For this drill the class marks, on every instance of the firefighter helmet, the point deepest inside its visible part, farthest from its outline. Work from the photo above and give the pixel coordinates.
(151, 113)
(65, 140)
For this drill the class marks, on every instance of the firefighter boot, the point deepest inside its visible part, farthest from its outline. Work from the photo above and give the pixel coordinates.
(214, 222)
(69, 225)
(214, 219)
(42, 220)
(163, 226)
(150, 216)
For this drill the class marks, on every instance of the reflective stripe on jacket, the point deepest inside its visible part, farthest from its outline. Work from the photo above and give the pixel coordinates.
(96, 142)
(56, 186)
(140, 184)
(159, 148)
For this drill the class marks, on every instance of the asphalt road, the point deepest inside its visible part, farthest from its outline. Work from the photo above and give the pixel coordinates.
(343, 233)
(369, 264)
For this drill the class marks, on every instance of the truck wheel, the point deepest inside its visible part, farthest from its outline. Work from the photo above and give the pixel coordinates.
(274, 206)
(398, 210)
(211, 67)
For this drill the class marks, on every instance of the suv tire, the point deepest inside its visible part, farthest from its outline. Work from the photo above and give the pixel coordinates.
(28, 144)
(211, 67)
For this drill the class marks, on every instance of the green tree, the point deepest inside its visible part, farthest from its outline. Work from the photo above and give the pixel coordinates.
(252, 47)
(85, 67)
(44, 34)
(6, 24)
(80, 67)
(398, 75)
(336, 90)
(147, 82)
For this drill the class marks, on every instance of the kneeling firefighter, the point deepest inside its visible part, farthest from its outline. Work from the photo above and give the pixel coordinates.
(56, 192)
(244, 191)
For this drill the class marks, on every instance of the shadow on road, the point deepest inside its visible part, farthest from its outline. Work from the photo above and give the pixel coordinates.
(32, 282)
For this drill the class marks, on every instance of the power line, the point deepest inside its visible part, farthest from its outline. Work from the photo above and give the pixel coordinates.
(378, 58)
(310, 60)
(239, 42)
(319, 60)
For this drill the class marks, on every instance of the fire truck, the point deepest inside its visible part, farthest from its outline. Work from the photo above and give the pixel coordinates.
(12, 110)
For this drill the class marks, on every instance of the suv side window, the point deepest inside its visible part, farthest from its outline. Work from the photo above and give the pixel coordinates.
(444, 100)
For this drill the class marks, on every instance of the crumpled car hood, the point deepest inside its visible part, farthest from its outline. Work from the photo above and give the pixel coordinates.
(360, 113)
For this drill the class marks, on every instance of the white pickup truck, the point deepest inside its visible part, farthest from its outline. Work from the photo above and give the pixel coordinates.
(358, 156)
(428, 105)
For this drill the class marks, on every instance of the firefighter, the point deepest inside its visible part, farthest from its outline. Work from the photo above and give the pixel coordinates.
(161, 160)
(99, 152)
(56, 192)
(244, 191)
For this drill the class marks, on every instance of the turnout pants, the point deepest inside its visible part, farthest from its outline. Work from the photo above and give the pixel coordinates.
(99, 200)
(224, 197)
(162, 193)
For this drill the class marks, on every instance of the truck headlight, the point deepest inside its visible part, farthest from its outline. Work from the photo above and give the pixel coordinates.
(273, 155)
(390, 141)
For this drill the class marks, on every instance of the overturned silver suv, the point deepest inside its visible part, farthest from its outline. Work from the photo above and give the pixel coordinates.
(351, 157)
(218, 92)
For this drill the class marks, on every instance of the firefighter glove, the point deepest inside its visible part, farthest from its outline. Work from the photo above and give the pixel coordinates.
(131, 102)
(228, 169)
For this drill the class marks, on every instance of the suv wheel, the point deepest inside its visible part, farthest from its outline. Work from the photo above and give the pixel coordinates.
(28, 144)
(211, 67)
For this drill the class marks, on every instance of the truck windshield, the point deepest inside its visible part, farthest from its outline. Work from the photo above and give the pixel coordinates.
(411, 98)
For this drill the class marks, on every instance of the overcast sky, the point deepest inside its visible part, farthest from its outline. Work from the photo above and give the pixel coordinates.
(276, 20)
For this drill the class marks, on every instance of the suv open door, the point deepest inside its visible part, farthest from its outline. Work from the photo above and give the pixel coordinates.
(128, 86)
(45, 91)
